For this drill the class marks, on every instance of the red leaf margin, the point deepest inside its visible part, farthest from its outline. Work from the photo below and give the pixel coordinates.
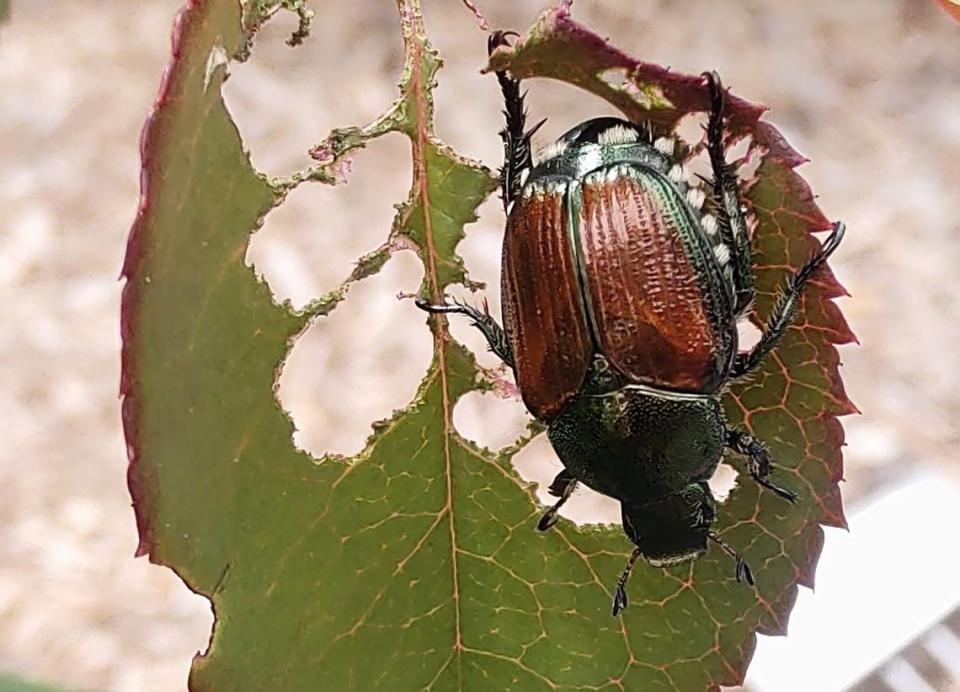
(152, 139)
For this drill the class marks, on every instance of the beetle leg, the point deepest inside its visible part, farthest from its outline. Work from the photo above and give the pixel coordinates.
(517, 154)
(563, 486)
(620, 594)
(559, 484)
(742, 569)
(758, 460)
(496, 337)
(705, 514)
(731, 219)
(785, 306)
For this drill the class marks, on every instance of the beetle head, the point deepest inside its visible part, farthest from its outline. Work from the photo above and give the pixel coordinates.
(674, 528)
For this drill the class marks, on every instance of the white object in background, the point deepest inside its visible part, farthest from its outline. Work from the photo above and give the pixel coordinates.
(894, 576)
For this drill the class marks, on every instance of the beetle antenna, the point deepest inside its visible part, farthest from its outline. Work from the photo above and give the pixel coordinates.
(620, 594)
(742, 569)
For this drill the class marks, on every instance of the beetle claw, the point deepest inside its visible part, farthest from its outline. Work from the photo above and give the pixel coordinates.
(742, 569)
(833, 240)
(715, 86)
(547, 521)
(620, 594)
(434, 308)
(743, 572)
(619, 600)
(787, 495)
(424, 304)
(499, 38)
(563, 486)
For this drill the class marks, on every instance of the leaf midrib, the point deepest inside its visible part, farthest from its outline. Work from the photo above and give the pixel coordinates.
(411, 15)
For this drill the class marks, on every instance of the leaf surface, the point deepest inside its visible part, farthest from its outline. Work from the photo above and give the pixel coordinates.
(415, 565)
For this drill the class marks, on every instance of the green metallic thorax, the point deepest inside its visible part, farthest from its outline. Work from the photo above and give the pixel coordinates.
(654, 451)
(634, 443)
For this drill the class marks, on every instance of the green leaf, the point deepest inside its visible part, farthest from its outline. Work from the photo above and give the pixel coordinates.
(415, 565)
(8, 683)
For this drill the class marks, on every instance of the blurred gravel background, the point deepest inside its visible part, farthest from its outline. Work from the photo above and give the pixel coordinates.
(870, 91)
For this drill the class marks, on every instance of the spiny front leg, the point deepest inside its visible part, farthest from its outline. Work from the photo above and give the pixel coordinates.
(758, 461)
(731, 220)
(785, 306)
(496, 337)
(563, 486)
(517, 154)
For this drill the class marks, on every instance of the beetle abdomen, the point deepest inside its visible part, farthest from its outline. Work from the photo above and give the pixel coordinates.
(650, 304)
(542, 302)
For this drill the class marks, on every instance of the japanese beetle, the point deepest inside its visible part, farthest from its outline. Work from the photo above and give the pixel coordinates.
(621, 295)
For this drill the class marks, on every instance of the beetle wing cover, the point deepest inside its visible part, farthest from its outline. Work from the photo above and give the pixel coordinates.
(542, 304)
(648, 300)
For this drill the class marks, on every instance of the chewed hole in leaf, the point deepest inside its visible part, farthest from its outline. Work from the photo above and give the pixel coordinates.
(737, 152)
(690, 128)
(699, 165)
(467, 120)
(619, 79)
(308, 244)
(260, 91)
(358, 364)
(538, 463)
(489, 420)
(723, 481)
(463, 331)
(748, 171)
(480, 250)
(564, 106)
(748, 334)
(690, 132)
